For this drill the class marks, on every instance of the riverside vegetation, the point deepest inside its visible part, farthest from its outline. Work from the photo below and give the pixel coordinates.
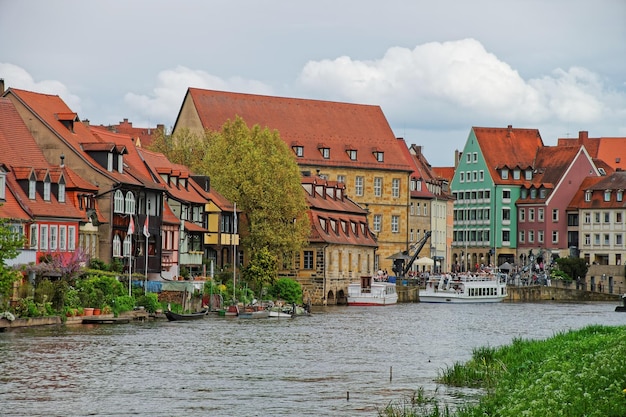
(575, 373)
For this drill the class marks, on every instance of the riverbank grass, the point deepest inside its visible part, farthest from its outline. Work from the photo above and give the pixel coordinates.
(574, 373)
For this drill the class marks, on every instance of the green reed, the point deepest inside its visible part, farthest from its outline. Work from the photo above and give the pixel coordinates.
(574, 373)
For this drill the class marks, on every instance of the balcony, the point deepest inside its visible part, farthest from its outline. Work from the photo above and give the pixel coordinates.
(191, 258)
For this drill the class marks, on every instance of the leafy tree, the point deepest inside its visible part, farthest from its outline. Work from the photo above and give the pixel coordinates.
(10, 244)
(261, 271)
(287, 289)
(184, 148)
(573, 267)
(254, 168)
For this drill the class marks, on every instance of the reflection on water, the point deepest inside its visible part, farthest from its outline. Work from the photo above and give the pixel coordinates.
(307, 366)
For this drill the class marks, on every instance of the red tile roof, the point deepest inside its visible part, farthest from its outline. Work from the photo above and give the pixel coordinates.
(309, 123)
(328, 204)
(612, 150)
(507, 147)
(22, 156)
(48, 108)
(159, 164)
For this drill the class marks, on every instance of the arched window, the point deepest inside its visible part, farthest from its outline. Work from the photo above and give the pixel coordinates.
(127, 245)
(130, 203)
(117, 246)
(118, 202)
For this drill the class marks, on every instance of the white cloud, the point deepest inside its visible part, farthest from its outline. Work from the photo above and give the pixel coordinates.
(167, 97)
(17, 77)
(459, 83)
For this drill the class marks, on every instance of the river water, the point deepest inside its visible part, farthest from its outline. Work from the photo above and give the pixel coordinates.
(341, 361)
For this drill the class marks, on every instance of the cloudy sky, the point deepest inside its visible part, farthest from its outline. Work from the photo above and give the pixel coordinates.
(436, 67)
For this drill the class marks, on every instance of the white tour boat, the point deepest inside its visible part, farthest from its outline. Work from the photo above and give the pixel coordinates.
(470, 288)
(372, 291)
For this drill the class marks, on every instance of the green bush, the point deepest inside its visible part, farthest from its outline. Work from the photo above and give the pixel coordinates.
(150, 302)
(287, 289)
(123, 303)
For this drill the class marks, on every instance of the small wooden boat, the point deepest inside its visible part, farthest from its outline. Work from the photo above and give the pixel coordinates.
(190, 316)
(254, 312)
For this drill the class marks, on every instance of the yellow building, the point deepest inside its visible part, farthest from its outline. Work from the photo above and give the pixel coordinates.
(348, 143)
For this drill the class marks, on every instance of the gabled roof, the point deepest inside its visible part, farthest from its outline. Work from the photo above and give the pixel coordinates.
(551, 164)
(22, 156)
(11, 207)
(159, 164)
(597, 185)
(48, 108)
(134, 164)
(507, 148)
(444, 173)
(308, 123)
(612, 150)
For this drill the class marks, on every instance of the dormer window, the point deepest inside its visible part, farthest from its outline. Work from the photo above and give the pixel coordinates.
(523, 193)
(120, 163)
(46, 188)
(619, 195)
(324, 150)
(298, 150)
(380, 156)
(588, 195)
(323, 224)
(533, 193)
(504, 173)
(351, 153)
(61, 191)
(607, 195)
(528, 174)
(516, 174)
(542, 193)
(67, 119)
(110, 161)
(32, 186)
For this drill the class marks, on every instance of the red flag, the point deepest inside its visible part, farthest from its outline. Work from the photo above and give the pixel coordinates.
(131, 225)
(146, 233)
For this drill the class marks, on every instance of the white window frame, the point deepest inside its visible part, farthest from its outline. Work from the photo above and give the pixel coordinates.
(43, 237)
(377, 223)
(63, 238)
(378, 186)
(128, 245)
(32, 187)
(71, 238)
(129, 203)
(34, 236)
(395, 187)
(54, 238)
(117, 246)
(118, 202)
(358, 186)
(395, 224)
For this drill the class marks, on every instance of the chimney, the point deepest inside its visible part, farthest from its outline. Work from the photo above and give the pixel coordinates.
(62, 160)
(1, 86)
(509, 129)
(583, 135)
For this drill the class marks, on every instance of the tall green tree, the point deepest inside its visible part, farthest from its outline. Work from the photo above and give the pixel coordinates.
(185, 147)
(261, 271)
(254, 168)
(10, 243)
